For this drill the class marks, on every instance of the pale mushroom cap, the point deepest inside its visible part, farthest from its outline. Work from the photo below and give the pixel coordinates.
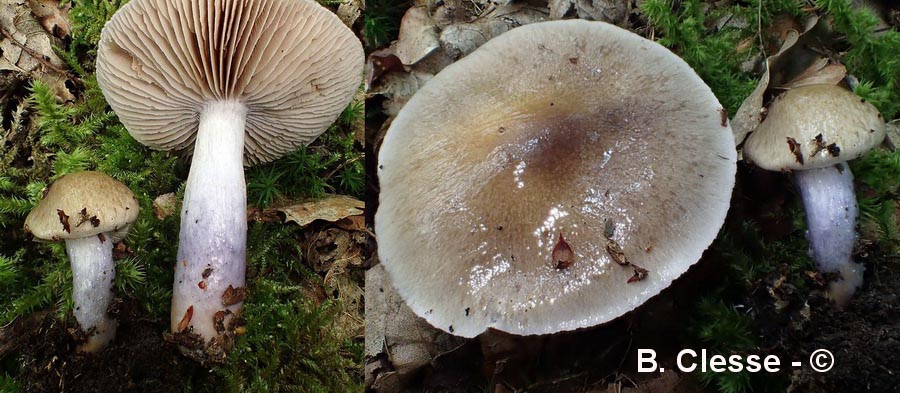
(552, 128)
(292, 62)
(814, 127)
(108, 207)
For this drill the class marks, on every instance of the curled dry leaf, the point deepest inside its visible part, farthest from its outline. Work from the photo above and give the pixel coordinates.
(331, 208)
(418, 36)
(820, 72)
(381, 62)
(392, 329)
(54, 17)
(26, 47)
(794, 57)
(460, 39)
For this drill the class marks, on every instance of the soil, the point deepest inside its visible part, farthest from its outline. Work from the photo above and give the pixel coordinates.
(864, 337)
(139, 360)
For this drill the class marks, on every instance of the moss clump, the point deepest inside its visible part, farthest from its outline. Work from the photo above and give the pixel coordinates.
(288, 344)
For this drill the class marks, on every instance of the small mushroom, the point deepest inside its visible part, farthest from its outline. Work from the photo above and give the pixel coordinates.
(236, 82)
(623, 145)
(89, 211)
(812, 131)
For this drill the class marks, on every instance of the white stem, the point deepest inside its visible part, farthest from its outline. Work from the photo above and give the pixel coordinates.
(831, 213)
(212, 242)
(93, 275)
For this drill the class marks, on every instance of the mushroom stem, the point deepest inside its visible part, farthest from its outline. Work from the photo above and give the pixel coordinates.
(93, 274)
(213, 239)
(831, 212)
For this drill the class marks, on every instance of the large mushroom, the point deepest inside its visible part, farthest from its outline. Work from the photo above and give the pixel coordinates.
(556, 178)
(89, 211)
(242, 82)
(812, 131)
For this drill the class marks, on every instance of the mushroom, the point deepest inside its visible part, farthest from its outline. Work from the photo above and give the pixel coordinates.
(239, 82)
(556, 178)
(812, 131)
(89, 211)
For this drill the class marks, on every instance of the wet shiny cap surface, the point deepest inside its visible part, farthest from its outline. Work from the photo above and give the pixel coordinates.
(569, 131)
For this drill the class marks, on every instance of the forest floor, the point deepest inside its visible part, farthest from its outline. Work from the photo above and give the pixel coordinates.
(307, 239)
(755, 291)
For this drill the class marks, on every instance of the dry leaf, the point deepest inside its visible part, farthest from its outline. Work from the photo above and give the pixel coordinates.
(790, 60)
(381, 62)
(25, 47)
(818, 73)
(398, 88)
(611, 11)
(165, 205)
(349, 11)
(53, 16)
(393, 329)
(418, 36)
(892, 138)
(559, 8)
(460, 39)
(330, 208)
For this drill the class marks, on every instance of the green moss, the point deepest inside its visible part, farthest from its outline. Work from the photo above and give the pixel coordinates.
(871, 57)
(879, 173)
(289, 345)
(382, 21)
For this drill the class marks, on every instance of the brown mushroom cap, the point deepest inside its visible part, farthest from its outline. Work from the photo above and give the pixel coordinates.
(555, 128)
(83, 204)
(814, 126)
(293, 63)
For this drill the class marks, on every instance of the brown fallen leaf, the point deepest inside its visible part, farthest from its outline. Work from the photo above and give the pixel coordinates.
(460, 39)
(819, 72)
(394, 331)
(418, 36)
(54, 17)
(331, 208)
(793, 57)
(165, 205)
(27, 48)
(381, 62)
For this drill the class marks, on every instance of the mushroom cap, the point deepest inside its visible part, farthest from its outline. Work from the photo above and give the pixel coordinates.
(88, 203)
(293, 63)
(814, 126)
(551, 129)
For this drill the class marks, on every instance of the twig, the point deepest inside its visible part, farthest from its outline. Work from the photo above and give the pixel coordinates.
(40, 58)
(762, 44)
(342, 165)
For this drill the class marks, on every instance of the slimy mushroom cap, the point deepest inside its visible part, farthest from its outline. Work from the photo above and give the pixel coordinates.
(567, 131)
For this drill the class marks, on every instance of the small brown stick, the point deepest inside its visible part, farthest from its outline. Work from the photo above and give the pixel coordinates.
(40, 58)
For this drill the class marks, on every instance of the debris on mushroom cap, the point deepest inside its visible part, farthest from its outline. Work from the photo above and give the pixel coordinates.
(87, 203)
(292, 63)
(814, 126)
(475, 191)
